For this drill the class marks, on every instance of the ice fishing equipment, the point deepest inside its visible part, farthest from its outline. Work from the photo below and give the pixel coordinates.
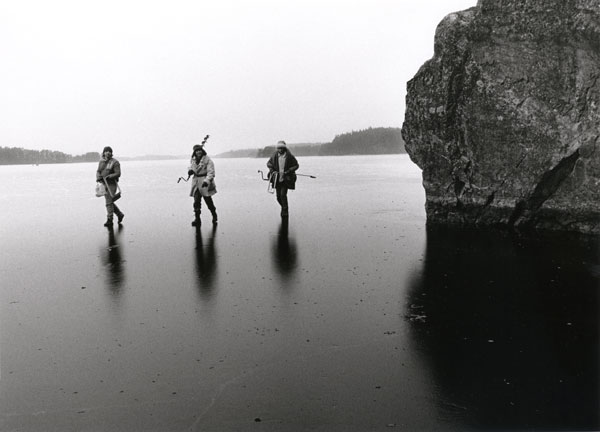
(274, 177)
(189, 175)
(116, 195)
(100, 190)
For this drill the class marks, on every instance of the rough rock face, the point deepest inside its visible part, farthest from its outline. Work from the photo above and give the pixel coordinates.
(504, 120)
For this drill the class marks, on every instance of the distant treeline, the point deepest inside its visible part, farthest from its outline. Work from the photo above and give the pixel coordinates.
(370, 141)
(244, 153)
(19, 156)
(366, 142)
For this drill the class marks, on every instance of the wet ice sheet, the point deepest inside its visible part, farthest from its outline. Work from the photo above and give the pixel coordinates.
(253, 324)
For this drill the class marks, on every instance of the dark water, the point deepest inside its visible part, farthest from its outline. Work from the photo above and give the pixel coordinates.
(353, 316)
(508, 325)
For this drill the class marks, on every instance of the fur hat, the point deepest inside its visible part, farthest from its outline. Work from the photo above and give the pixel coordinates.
(107, 148)
(281, 144)
(198, 147)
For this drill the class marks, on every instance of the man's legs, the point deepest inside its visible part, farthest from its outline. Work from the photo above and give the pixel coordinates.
(197, 208)
(282, 190)
(119, 213)
(211, 206)
(109, 209)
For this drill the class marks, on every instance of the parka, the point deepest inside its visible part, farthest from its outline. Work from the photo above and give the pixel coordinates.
(204, 171)
(110, 170)
(289, 177)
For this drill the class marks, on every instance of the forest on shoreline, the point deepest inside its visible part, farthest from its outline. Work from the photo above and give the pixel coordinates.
(20, 156)
(370, 141)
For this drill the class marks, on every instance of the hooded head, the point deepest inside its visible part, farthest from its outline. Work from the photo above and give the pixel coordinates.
(281, 146)
(196, 148)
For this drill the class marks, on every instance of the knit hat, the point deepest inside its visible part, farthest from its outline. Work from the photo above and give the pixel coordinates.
(198, 147)
(281, 144)
(107, 148)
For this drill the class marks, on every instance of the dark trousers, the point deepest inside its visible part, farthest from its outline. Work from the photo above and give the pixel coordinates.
(198, 203)
(111, 207)
(281, 190)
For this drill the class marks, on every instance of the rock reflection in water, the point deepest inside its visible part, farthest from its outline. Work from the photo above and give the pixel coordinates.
(509, 327)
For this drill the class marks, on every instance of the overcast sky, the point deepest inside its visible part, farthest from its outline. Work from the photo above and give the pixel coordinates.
(154, 77)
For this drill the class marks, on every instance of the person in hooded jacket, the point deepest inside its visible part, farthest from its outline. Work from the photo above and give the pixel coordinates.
(282, 174)
(203, 183)
(109, 172)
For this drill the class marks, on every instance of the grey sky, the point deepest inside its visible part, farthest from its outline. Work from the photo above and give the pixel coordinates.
(154, 77)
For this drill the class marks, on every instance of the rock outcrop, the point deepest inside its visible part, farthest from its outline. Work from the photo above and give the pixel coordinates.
(504, 120)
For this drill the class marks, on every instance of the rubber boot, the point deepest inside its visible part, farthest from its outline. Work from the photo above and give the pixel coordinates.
(214, 215)
(108, 223)
(196, 222)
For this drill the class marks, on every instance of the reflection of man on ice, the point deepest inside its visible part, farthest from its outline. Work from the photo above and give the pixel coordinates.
(203, 183)
(282, 174)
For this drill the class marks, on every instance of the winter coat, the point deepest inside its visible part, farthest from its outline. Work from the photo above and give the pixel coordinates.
(204, 171)
(110, 170)
(291, 165)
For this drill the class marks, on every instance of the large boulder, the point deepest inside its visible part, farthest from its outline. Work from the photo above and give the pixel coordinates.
(504, 120)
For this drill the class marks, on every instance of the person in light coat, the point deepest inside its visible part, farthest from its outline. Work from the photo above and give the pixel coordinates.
(203, 183)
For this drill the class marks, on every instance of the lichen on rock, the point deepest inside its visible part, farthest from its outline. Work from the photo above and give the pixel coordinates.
(504, 120)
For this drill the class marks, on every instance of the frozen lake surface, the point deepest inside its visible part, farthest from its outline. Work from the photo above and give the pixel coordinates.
(353, 317)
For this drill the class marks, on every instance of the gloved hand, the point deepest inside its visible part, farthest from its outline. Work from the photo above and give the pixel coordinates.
(190, 172)
(204, 184)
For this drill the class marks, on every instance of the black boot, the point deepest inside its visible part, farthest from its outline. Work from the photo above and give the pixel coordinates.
(196, 222)
(108, 223)
(214, 215)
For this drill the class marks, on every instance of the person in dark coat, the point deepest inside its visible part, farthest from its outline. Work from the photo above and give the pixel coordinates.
(108, 172)
(282, 174)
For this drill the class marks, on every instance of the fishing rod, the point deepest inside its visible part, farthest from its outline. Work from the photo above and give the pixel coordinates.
(189, 175)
